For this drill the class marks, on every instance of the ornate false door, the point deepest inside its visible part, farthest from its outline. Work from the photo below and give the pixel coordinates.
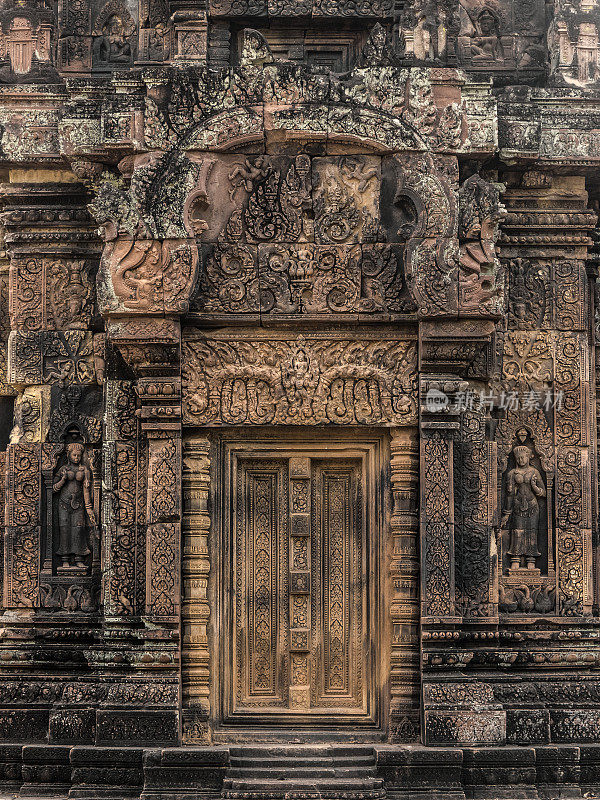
(299, 549)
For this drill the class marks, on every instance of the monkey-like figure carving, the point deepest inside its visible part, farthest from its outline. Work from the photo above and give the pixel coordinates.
(524, 485)
(73, 482)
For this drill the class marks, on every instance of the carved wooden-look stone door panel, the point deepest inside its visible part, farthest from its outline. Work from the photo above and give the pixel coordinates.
(297, 593)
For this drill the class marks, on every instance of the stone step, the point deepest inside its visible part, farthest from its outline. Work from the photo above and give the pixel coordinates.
(283, 763)
(351, 761)
(293, 772)
(281, 751)
(324, 758)
(307, 771)
(297, 792)
(265, 784)
(281, 773)
(352, 750)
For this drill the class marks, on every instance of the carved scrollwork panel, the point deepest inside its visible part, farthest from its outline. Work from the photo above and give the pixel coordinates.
(162, 562)
(528, 359)
(313, 380)
(570, 285)
(437, 526)
(164, 467)
(473, 526)
(23, 501)
(572, 388)
(119, 521)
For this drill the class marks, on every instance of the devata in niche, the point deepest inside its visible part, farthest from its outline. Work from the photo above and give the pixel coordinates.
(524, 487)
(73, 489)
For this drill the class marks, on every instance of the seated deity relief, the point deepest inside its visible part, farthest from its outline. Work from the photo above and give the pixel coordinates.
(501, 37)
(114, 36)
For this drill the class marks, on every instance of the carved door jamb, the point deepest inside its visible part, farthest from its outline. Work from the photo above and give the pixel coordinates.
(367, 445)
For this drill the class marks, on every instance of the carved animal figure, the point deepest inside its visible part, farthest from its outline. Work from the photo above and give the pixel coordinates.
(544, 599)
(507, 600)
(71, 603)
(523, 595)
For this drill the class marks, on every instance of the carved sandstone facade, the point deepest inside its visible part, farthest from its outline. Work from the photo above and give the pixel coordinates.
(298, 309)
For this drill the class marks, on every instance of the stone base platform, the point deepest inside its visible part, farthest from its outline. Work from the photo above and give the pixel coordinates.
(401, 772)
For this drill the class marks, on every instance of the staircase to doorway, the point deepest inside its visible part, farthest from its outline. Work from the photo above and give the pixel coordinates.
(278, 772)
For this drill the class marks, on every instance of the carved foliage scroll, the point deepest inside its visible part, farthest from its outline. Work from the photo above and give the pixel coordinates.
(163, 514)
(120, 534)
(22, 553)
(472, 469)
(313, 380)
(437, 525)
(573, 483)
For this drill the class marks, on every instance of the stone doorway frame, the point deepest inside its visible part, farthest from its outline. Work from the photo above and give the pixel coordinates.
(373, 448)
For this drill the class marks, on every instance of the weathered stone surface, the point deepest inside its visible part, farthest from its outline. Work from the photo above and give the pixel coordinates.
(298, 413)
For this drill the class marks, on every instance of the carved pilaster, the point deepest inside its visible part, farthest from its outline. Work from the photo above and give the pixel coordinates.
(195, 613)
(143, 552)
(474, 495)
(56, 362)
(404, 566)
(438, 601)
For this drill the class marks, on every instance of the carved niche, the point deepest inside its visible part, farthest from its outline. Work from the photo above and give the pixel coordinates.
(72, 487)
(26, 46)
(526, 542)
(114, 37)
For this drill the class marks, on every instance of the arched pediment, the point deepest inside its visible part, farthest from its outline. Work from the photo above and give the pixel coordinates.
(377, 107)
(272, 188)
(279, 234)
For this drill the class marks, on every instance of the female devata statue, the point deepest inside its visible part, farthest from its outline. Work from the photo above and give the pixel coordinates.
(73, 483)
(524, 485)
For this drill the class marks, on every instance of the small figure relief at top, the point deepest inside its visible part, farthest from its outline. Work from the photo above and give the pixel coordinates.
(430, 32)
(25, 43)
(480, 37)
(485, 42)
(114, 37)
(70, 295)
(480, 212)
(72, 487)
(521, 513)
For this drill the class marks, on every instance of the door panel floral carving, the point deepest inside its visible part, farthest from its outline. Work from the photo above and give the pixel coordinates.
(296, 591)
